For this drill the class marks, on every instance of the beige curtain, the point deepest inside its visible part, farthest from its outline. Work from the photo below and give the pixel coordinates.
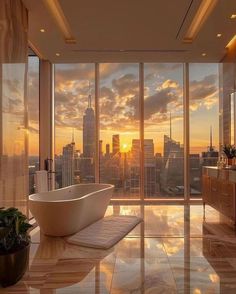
(13, 105)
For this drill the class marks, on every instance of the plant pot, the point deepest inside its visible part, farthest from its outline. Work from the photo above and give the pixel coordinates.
(230, 161)
(13, 266)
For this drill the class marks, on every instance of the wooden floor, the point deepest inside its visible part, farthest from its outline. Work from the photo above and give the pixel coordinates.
(173, 251)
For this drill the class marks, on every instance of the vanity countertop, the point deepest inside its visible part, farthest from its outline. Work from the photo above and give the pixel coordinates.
(226, 173)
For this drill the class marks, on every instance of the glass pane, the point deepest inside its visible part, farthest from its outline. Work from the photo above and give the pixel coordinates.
(33, 112)
(74, 124)
(13, 137)
(119, 128)
(163, 130)
(204, 121)
(13, 106)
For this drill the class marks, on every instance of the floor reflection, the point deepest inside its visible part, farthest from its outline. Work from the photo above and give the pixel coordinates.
(172, 251)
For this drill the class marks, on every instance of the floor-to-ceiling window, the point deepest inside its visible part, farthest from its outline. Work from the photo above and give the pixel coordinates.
(74, 124)
(33, 118)
(163, 130)
(119, 128)
(119, 121)
(204, 120)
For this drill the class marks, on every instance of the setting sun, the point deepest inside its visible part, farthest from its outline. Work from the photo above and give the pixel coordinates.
(124, 147)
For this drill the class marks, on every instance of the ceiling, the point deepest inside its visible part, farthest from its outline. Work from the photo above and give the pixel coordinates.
(130, 31)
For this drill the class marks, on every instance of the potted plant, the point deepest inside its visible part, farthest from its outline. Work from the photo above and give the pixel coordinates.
(14, 245)
(230, 152)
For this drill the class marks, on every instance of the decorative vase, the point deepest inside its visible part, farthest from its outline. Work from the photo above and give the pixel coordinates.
(13, 266)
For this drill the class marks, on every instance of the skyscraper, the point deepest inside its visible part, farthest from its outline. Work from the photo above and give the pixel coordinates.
(107, 150)
(68, 164)
(100, 148)
(150, 184)
(89, 131)
(87, 160)
(210, 156)
(115, 144)
(172, 176)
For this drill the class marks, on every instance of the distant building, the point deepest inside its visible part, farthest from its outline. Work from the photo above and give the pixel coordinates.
(195, 173)
(150, 179)
(150, 169)
(100, 148)
(68, 165)
(89, 131)
(210, 157)
(87, 160)
(172, 177)
(107, 150)
(115, 144)
(77, 165)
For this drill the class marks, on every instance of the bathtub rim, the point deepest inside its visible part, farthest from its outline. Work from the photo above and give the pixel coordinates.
(110, 186)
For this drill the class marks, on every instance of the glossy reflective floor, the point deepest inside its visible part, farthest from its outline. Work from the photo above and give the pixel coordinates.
(173, 251)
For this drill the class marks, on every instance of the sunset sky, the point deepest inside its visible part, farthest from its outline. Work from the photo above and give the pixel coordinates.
(119, 100)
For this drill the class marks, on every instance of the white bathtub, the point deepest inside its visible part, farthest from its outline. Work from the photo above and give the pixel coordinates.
(66, 211)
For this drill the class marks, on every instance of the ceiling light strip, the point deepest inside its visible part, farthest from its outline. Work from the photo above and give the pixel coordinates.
(231, 42)
(203, 12)
(35, 49)
(60, 19)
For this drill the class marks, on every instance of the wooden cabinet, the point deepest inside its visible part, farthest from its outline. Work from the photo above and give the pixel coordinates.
(219, 193)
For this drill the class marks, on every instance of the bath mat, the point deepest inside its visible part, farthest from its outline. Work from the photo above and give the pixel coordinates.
(106, 232)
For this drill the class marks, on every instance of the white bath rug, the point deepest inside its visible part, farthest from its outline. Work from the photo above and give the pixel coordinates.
(106, 232)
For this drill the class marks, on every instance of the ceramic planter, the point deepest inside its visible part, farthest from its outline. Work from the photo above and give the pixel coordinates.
(13, 266)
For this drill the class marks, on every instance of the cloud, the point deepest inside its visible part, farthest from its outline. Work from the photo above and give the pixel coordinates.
(74, 72)
(119, 97)
(158, 103)
(126, 85)
(204, 92)
(119, 103)
(170, 84)
(204, 88)
(14, 86)
(108, 69)
(13, 106)
(33, 95)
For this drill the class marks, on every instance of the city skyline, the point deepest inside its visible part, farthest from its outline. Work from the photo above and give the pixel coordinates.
(125, 148)
(163, 174)
(118, 81)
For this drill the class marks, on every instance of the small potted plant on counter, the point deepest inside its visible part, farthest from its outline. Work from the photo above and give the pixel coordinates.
(14, 245)
(230, 152)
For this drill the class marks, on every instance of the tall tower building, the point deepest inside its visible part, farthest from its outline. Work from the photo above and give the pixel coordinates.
(89, 131)
(100, 148)
(107, 150)
(210, 156)
(115, 144)
(172, 177)
(150, 184)
(87, 160)
(68, 165)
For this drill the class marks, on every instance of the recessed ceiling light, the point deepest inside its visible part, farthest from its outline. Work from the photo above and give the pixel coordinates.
(218, 35)
(57, 54)
(233, 16)
(204, 54)
(42, 30)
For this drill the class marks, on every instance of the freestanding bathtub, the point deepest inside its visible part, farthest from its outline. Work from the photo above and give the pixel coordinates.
(66, 211)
